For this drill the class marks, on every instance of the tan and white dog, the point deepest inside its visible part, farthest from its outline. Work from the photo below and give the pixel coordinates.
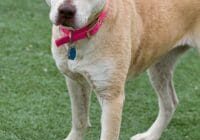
(136, 35)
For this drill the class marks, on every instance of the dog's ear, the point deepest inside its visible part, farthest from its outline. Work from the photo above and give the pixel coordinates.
(48, 2)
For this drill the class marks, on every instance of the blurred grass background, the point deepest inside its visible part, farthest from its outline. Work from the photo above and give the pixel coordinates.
(34, 104)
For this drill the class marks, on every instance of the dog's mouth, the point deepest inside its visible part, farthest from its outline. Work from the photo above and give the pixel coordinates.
(66, 23)
(71, 22)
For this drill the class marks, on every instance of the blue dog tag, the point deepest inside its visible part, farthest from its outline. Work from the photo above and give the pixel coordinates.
(72, 53)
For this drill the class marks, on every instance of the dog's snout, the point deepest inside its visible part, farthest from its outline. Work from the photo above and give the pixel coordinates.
(67, 11)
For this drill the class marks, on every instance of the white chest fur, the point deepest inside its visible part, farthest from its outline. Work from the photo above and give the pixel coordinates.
(88, 63)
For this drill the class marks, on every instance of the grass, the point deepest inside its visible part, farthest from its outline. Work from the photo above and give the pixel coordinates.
(33, 100)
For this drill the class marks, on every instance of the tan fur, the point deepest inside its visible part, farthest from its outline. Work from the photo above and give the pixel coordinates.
(137, 34)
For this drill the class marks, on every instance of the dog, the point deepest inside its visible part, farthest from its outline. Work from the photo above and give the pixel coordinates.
(126, 38)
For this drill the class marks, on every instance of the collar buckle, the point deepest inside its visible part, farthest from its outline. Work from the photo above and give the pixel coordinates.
(70, 37)
(88, 34)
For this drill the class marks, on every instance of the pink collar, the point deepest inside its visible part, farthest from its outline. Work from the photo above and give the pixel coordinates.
(71, 36)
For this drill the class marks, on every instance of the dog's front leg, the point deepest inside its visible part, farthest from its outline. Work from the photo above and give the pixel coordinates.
(80, 98)
(111, 115)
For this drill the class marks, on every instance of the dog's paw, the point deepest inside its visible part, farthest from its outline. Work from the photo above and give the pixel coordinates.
(144, 136)
(74, 136)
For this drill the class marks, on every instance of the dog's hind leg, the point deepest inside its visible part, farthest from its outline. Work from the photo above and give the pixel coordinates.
(80, 100)
(161, 76)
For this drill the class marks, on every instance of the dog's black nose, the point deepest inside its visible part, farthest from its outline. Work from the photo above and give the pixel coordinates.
(67, 11)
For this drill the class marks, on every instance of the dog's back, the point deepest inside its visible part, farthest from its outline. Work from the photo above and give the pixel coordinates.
(166, 25)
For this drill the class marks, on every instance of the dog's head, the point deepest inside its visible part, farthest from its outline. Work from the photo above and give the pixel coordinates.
(74, 13)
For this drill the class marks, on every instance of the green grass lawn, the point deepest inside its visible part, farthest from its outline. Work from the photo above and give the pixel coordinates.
(34, 104)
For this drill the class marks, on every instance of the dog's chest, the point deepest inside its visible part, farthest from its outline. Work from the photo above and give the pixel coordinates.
(95, 69)
(69, 58)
